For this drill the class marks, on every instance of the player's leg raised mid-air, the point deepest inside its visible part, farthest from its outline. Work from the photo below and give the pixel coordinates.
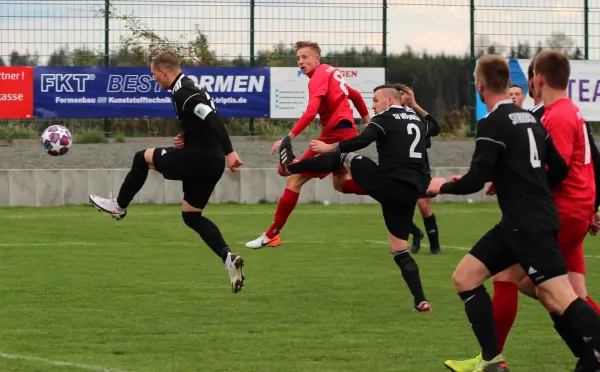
(197, 159)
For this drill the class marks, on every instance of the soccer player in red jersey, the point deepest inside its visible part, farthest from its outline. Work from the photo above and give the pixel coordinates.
(575, 198)
(329, 96)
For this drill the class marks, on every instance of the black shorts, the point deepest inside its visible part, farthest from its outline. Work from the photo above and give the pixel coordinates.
(538, 253)
(398, 199)
(199, 172)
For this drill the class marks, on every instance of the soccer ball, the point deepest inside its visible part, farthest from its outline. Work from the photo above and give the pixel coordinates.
(56, 140)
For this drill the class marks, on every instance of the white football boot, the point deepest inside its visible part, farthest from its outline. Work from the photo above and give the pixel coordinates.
(108, 205)
(263, 241)
(235, 267)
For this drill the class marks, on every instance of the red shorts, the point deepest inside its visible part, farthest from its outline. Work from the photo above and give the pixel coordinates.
(334, 136)
(570, 239)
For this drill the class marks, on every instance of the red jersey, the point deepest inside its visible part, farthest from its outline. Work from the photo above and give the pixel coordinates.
(575, 196)
(329, 91)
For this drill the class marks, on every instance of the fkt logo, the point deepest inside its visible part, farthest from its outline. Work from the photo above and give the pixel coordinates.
(65, 83)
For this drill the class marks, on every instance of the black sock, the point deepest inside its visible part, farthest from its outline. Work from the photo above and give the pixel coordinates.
(415, 230)
(318, 164)
(208, 231)
(478, 306)
(567, 334)
(581, 350)
(134, 181)
(584, 321)
(410, 273)
(432, 231)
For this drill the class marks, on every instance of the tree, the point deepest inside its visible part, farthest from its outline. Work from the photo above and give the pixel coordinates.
(143, 43)
(16, 59)
(61, 57)
(2, 62)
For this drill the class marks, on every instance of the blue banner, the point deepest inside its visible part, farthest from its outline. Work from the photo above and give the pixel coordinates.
(517, 76)
(131, 92)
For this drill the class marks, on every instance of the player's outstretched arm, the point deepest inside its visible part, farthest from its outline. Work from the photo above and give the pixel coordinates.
(367, 137)
(359, 103)
(311, 112)
(557, 168)
(486, 155)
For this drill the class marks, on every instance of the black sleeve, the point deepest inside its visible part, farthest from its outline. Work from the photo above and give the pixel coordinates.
(596, 162)
(489, 145)
(433, 127)
(371, 133)
(557, 168)
(204, 107)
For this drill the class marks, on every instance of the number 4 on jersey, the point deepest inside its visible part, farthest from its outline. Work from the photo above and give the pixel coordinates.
(534, 157)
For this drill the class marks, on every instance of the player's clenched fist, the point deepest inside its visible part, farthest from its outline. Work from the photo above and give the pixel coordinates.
(234, 162)
(321, 147)
(435, 185)
(178, 141)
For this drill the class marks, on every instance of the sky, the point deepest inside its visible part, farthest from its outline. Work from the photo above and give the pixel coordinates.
(436, 26)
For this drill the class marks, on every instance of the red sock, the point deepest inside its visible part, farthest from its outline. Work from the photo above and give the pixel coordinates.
(286, 205)
(592, 304)
(350, 187)
(506, 303)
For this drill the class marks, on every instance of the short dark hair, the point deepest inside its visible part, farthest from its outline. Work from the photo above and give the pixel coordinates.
(167, 60)
(530, 70)
(517, 86)
(555, 67)
(494, 72)
(399, 87)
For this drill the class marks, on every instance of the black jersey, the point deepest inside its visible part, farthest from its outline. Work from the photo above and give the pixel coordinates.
(538, 111)
(512, 150)
(197, 114)
(400, 138)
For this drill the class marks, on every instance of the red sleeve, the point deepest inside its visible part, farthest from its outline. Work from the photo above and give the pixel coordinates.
(562, 135)
(358, 101)
(310, 113)
(318, 84)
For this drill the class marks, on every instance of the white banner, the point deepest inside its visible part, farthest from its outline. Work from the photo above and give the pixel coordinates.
(584, 86)
(289, 89)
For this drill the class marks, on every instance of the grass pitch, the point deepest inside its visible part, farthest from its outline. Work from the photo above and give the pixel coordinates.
(81, 291)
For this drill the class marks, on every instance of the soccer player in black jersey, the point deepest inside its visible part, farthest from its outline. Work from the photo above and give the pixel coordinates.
(397, 182)
(198, 160)
(513, 151)
(429, 220)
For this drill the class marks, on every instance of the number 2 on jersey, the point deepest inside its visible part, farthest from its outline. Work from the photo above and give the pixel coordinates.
(534, 157)
(337, 75)
(409, 129)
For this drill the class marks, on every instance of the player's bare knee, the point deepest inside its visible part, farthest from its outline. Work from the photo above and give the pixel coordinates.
(425, 207)
(578, 282)
(338, 181)
(148, 157)
(295, 182)
(469, 274)
(527, 287)
(397, 244)
(556, 294)
(187, 207)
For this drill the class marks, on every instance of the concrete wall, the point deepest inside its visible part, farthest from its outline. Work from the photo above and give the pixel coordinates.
(55, 187)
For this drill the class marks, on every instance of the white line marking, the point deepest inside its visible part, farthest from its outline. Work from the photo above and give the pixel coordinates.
(86, 367)
(38, 215)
